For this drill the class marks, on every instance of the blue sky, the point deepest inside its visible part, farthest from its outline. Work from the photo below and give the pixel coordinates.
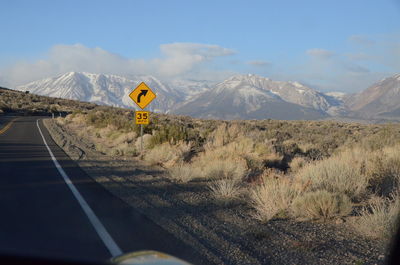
(329, 45)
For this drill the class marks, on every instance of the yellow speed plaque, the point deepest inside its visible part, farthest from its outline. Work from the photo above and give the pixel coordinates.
(142, 117)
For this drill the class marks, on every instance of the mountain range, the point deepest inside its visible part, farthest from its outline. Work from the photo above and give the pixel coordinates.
(103, 89)
(381, 100)
(238, 97)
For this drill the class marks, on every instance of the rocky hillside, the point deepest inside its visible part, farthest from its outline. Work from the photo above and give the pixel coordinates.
(103, 89)
(255, 97)
(381, 100)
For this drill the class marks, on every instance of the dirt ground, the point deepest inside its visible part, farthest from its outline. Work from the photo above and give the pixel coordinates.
(223, 234)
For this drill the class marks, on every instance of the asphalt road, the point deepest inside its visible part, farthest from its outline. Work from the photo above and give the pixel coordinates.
(40, 216)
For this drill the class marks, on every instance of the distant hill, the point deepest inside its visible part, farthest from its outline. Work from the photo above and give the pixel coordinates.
(381, 100)
(15, 101)
(255, 97)
(102, 89)
(238, 97)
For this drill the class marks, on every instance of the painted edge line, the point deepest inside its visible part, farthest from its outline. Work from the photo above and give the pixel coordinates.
(7, 126)
(108, 241)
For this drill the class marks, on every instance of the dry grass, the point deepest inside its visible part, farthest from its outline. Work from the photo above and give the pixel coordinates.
(338, 174)
(321, 205)
(225, 190)
(167, 154)
(18, 101)
(383, 170)
(297, 163)
(329, 162)
(234, 159)
(147, 138)
(181, 173)
(124, 149)
(380, 218)
(273, 198)
(219, 169)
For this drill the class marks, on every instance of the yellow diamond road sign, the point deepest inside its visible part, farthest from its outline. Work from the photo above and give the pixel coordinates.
(142, 95)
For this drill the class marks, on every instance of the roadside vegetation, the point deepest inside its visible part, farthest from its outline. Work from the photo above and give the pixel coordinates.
(269, 171)
(320, 171)
(14, 101)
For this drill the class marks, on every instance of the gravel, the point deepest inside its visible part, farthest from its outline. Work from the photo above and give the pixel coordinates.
(222, 234)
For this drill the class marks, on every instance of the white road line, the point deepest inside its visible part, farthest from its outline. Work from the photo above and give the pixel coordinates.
(98, 226)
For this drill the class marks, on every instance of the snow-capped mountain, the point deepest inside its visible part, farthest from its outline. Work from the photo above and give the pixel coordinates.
(255, 97)
(381, 100)
(292, 92)
(104, 89)
(340, 96)
(190, 88)
(239, 97)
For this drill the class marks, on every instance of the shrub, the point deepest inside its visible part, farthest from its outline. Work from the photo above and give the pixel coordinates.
(337, 174)
(229, 167)
(146, 141)
(272, 198)
(321, 204)
(219, 137)
(166, 152)
(380, 218)
(173, 133)
(125, 138)
(124, 149)
(182, 172)
(385, 135)
(383, 170)
(225, 189)
(297, 163)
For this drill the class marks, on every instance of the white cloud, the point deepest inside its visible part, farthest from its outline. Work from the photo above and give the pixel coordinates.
(320, 53)
(258, 63)
(182, 57)
(329, 71)
(177, 59)
(361, 40)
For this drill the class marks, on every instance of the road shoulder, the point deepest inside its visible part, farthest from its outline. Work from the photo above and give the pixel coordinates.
(221, 233)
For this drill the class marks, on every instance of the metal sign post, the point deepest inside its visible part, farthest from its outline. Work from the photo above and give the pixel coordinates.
(141, 138)
(142, 117)
(142, 95)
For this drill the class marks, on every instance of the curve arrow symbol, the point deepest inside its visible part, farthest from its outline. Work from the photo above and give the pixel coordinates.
(142, 93)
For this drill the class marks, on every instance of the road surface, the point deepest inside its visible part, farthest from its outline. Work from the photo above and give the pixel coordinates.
(41, 216)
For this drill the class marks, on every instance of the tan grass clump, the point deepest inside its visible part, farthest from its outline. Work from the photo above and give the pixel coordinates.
(338, 174)
(124, 149)
(225, 190)
(147, 138)
(297, 163)
(273, 198)
(234, 159)
(219, 169)
(321, 204)
(128, 137)
(182, 173)
(383, 170)
(167, 154)
(380, 219)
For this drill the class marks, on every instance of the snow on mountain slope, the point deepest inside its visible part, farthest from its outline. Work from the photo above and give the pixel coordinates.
(190, 88)
(248, 97)
(382, 99)
(292, 92)
(104, 89)
(239, 97)
(336, 95)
